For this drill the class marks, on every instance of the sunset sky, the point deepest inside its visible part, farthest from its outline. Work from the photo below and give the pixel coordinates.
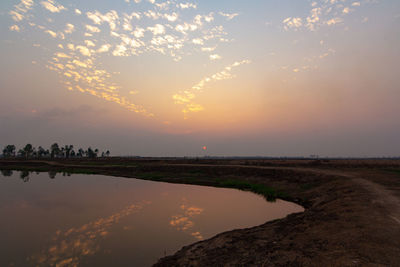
(168, 78)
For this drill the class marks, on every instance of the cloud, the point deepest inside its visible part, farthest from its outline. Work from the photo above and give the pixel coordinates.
(69, 28)
(215, 57)
(92, 28)
(229, 16)
(62, 55)
(198, 41)
(83, 50)
(157, 29)
(187, 5)
(16, 16)
(208, 49)
(120, 51)
(104, 48)
(186, 97)
(170, 29)
(51, 6)
(292, 23)
(89, 43)
(15, 28)
(19, 10)
(51, 33)
(327, 12)
(333, 21)
(110, 17)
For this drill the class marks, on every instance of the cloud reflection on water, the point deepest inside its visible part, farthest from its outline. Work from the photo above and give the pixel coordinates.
(68, 247)
(184, 222)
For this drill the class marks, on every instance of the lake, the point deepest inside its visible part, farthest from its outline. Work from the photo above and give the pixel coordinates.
(49, 219)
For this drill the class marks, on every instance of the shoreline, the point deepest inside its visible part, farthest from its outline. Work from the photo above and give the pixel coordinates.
(351, 217)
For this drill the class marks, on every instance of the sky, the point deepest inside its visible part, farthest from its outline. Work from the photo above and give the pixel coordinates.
(166, 78)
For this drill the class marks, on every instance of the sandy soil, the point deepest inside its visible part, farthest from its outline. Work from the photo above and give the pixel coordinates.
(352, 215)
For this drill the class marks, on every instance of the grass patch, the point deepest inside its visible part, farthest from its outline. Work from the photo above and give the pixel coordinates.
(156, 176)
(268, 193)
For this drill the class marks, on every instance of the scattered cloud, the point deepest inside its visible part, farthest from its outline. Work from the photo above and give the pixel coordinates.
(69, 28)
(215, 57)
(187, 97)
(53, 7)
(323, 12)
(171, 28)
(292, 23)
(15, 28)
(229, 16)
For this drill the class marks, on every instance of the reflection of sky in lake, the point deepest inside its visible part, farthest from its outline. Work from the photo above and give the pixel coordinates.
(93, 220)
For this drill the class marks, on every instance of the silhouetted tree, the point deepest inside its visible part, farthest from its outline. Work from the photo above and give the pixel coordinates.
(81, 152)
(41, 152)
(21, 153)
(108, 153)
(91, 153)
(28, 150)
(72, 153)
(67, 150)
(55, 150)
(9, 151)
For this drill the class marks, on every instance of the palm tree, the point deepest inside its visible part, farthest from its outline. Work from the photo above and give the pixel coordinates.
(81, 152)
(21, 153)
(67, 150)
(90, 152)
(28, 150)
(9, 151)
(108, 153)
(55, 150)
(41, 151)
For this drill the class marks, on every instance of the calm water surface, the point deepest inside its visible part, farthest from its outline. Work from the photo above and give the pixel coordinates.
(93, 220)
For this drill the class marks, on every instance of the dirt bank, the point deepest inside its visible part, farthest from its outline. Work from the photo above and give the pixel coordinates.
(352, 215)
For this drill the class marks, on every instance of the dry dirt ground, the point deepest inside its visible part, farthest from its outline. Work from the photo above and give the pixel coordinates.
(351, 217)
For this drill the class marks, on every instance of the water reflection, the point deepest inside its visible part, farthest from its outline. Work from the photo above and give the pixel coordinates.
(184, 222)
(24, 175)
(6, 173)
(94, 220)
(68, 247)
(52, 174)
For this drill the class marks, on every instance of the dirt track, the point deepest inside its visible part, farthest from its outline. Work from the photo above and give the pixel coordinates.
(352, 215)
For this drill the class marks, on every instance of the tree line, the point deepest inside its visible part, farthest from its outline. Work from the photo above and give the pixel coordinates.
(55, 151)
